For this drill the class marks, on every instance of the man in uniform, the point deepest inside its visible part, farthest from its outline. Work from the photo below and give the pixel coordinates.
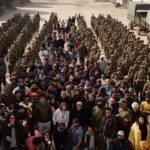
(2, 72)
(139, 80)
(132, 70)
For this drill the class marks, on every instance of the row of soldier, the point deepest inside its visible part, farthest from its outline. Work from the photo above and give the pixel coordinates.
(16, 33)
(126, 54)
(10, 32)
(18, 48)
(33, 51)
(77, 76)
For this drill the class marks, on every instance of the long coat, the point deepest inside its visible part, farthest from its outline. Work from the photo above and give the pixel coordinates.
(19, 135)
(135, 136)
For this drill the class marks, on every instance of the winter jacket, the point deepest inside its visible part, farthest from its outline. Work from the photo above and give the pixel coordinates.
(135, 136)
(122, 144)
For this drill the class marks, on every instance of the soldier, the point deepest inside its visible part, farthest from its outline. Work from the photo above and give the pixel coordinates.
(2, 72)
(140, 78)
(13, 83)
(132, 70)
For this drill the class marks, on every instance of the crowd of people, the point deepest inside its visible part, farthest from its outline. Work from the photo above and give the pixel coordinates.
(64, 94)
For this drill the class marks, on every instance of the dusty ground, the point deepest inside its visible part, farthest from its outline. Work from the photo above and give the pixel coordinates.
(64, 8)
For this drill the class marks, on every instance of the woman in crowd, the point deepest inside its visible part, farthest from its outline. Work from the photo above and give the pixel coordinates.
(61, 114)
(140, 131)
(13, 134)
(47, 143)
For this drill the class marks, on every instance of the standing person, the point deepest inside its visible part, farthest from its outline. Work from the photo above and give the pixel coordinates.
(102, 64)
(89, 139)
(46, 142)
(2, 72)
(2, 123)
(135, 112)
(145, 105)
(140, 78)
(108, 127)
(121, 143)
(97, 114)
(140, 131)
(43, 115)
(76, 131)
(13, 134)
(61, 114)
(61, 136)
(43, 54)
(79, 112)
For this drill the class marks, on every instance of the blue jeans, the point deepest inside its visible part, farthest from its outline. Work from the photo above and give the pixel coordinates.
(44, 126)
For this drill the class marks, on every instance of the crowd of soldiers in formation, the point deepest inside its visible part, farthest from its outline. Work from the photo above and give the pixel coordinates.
(16, 33)
(127, 55)
(100, 91)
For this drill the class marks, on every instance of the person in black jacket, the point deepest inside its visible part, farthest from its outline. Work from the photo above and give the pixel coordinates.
(61, 136)
(13, 135)
(121, 143)
(80, 113)
(108, 128)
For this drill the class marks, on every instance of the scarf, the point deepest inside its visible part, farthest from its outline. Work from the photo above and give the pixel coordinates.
(13, 137)
(91, 143)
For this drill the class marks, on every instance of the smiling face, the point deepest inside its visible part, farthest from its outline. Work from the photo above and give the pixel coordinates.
(141, 120)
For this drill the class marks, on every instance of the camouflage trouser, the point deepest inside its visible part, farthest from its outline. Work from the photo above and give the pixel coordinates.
(139, 89)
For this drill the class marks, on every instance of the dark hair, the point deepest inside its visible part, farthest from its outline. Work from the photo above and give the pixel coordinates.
(8, 118)
(46, 131)
(37, 141)
(91, 126)
(143, 115)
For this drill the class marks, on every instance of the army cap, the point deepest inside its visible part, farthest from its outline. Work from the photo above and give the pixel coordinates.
(122, 101)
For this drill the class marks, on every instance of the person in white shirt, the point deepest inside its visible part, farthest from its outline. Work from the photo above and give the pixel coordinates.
(43, 54)
(102, 63)
(61, 114)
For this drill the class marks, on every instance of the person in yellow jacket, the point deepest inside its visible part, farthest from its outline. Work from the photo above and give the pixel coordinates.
(140, 131)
